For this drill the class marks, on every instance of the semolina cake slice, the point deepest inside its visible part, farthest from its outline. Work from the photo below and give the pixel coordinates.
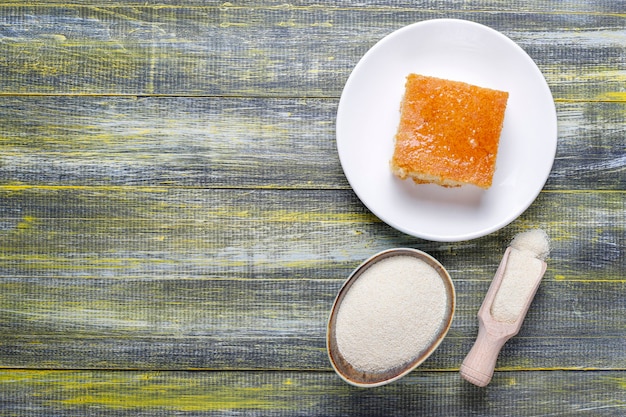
(449, 132)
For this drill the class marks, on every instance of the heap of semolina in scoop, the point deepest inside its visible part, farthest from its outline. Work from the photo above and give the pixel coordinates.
(449, 132)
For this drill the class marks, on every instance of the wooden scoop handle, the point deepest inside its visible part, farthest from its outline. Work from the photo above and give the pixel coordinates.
(480, 362)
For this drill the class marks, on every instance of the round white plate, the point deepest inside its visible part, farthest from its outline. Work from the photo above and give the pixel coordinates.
(368, 116)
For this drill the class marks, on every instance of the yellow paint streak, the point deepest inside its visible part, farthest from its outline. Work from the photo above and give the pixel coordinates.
(19, 375)
(317, 217)
(510, 381)
(26, 223)
(229, 24)
(93, 261)
(236, 398)
(614, 96)
(148, 390)
(595, 281)
(620, 382)
(113, 188)
(285, 216)
(582, 192)
(327, 24)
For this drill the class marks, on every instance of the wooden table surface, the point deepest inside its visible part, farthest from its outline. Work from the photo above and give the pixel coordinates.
(175, 222)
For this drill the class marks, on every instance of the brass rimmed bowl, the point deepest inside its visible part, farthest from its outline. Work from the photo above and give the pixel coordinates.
(357, 377)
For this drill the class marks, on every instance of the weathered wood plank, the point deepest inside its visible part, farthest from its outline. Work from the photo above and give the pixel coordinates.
(86, 393)
(147, 278)
(270, 51)
(208, 227)
(250, 142)
(242, 308)
(231, 325)
(578, 6)
(206, 142)
(604, 161)
(152, 233)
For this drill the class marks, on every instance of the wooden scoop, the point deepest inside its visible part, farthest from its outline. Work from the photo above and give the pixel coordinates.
(480, 362)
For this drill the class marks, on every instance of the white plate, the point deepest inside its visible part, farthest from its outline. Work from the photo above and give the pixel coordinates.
(368, 116)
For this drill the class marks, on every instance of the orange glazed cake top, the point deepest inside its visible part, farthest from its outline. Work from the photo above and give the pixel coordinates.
(449, 132)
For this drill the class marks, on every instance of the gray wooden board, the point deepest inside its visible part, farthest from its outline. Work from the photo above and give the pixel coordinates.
(270, 51)
(175, 223)
(240, 142)
(136, 393)
(257, 270)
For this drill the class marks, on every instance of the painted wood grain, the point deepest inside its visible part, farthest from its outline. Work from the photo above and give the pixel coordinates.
(580, 6)
(274, 326)
(270, 51)
(240, 142)
(308, 394)
(175, 224)
(156, 278)
(152, 232)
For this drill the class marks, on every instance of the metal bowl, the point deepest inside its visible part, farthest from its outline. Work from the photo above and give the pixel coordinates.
(372, 379)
